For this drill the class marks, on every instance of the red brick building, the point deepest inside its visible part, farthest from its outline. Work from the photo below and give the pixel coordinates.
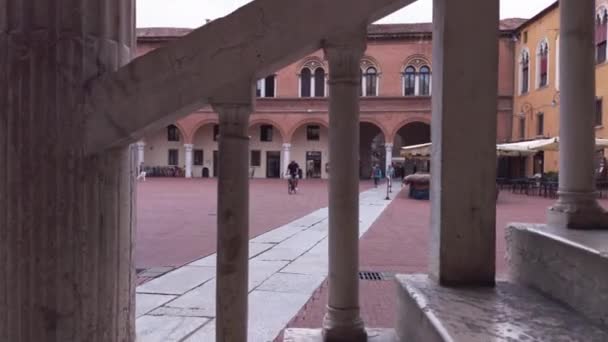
(291, 117)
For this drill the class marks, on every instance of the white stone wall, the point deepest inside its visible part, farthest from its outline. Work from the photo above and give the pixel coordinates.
(203, 140)
(299, 147)
(264, 146)
(156, 150)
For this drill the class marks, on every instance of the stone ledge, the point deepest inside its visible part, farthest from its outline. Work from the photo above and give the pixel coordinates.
(567, 265)
(508, 312)
(315, 335)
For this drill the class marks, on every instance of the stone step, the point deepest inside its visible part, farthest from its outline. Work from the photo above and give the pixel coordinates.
(568, 265)
(507, 312)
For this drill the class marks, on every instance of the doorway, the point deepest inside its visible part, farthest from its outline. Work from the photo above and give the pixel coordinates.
(313, 164)
(215, 163)
(273, 164)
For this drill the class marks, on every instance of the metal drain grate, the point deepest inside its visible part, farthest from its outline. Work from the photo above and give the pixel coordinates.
(371, 276)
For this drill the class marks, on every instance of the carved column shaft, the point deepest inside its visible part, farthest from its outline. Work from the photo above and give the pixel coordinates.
(66, 220)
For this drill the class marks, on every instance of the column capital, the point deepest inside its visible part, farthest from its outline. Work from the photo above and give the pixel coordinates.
(189, 147)
(238, 97)
(287, 146)
(344, 54)
(388, 146)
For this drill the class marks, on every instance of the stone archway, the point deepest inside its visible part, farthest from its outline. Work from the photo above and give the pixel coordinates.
(265, 146)
(205, 150)
(412, 133)
(371, 148)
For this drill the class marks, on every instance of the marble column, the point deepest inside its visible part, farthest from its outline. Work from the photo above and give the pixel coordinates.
(233, 214)
(188, 149)
(389, 156)
(342, 321)
(463, 167)
(140, 153)
(66, 218)
(286, 158)
(577, 206)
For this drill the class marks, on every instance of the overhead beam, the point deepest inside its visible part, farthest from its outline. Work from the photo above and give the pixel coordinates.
(255, 40)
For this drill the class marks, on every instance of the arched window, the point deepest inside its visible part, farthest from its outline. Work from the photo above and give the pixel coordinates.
(305, 83)
(425, 81)
(370, 80)
(525, 72)
(601, 31)
(409, 81)
(543, 64)
(319, 82)
(172, 133)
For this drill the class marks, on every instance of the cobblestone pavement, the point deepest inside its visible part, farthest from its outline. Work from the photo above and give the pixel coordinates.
(398, 242)
(177, 219)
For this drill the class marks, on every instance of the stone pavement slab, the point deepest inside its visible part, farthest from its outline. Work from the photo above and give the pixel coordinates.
(166, 328)
(286, 266)
(146, 302)
(178, 281)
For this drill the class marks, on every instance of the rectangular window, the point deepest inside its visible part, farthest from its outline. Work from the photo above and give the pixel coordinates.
(525, 38)
(258, 88)
(601, 52)
(172, 133)
(216, 132)
(256, 158)
(269, 86)
(265, 133)
(313, 132)
(540, 124)
(598, 112)
(173, 157)
(525, 80)
(522, 128)
(198, 157)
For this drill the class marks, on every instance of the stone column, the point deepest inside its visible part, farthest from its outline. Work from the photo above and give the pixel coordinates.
(463, 214)
(286, 158)
(233, 214)
(389, 156)
(342, 321)
(188, 148)
(140, 153)
(66, 218)
(577, 206)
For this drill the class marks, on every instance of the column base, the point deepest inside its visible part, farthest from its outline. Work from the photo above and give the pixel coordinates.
(343, 326)
(316, 335)
(577, 211)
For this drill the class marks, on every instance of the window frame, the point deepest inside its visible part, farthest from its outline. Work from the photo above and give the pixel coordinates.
(173, 151)
(409, 78)
(310, 135)
(424, 91)
(266, 133)
(540, 124)
(173, 133)
(599, 112)
(195, 159)
(252, 159)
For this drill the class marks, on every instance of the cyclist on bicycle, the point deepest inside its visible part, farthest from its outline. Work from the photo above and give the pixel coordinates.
(292, 172)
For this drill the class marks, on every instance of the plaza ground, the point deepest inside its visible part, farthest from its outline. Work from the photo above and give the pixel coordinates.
(177, 225)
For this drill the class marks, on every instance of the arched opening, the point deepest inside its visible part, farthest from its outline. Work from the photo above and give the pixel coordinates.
(205, 151)
(265, 146)
(370, 82)
(164, 153)
(409, 81)
(371, 149)
(310, 149)
(425, 81)
(305, 84)
(413, 133)
(319, 82)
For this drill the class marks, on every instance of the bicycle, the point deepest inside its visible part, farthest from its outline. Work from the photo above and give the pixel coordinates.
(292, 184)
